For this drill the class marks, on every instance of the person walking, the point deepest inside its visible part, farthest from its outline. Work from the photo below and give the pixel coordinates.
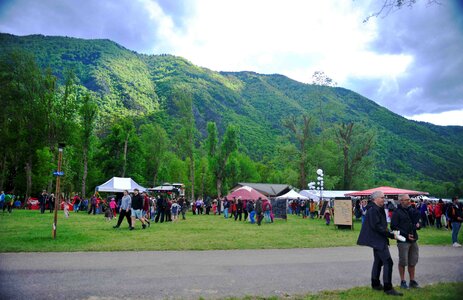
(259, 211)
(2, 200)
(175, 208)
(93, 202)
(375, 234)
(226, 205)
(51, 202)
(438, 209)
(405, 221)
(43, 201)
(161, 206)
(137, 209)
(112, 206)
(250, 209)
(76, 202)
(239, 210)
(183, 207)
(124, 209)
(455, 213)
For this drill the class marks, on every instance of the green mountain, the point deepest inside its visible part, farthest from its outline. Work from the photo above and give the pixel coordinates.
(129, 83)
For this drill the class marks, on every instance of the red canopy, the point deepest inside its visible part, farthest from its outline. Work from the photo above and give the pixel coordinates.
(246, 193)
(387, 190)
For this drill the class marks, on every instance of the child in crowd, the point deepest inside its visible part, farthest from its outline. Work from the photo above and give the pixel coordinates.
(175, 209)
(108, 213)
(214, 207)
(66, 208)
(327, 216)
(112, 205)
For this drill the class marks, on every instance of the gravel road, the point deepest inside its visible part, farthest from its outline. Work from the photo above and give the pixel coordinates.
(207, 274)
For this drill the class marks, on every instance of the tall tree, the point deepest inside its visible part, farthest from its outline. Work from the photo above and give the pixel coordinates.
(302, 135)
(22, 95)
(183, 101)
(355, 143)
(88, 114)
(154, 139)
(219, 155)
(115, 147)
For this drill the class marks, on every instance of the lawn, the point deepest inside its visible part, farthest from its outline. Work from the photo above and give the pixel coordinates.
(30, 231)
(441, 291)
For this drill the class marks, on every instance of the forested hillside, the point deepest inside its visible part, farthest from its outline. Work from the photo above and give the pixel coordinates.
(154, 123)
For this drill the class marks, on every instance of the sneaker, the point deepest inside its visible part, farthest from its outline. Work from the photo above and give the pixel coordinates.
(403, 284)
(456, 245)
(143, 226)
(377, 287)
(393, 292)
(414, 284)
(131, 228)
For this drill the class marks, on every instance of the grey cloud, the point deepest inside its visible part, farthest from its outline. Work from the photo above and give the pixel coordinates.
(125, 22)
(434, 37)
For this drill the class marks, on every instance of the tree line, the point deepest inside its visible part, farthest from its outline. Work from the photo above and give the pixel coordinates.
(38, 113)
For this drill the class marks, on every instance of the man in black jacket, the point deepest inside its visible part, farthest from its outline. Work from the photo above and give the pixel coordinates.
(375, 234)
(160, 205)
(406, 220)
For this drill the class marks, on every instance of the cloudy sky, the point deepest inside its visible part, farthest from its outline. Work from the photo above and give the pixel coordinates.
(410, 61)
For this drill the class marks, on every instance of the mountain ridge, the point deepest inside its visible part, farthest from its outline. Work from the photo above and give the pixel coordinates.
(130, 83)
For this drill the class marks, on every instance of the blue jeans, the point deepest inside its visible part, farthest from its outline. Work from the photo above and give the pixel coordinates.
(267, 216)
(455, 229)
(251, 217)
(225, 213)
(76, 207)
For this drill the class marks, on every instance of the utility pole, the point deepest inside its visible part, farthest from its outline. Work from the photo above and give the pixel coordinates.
(58, 174)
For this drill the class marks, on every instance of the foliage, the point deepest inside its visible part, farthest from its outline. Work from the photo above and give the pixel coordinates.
(47, 79)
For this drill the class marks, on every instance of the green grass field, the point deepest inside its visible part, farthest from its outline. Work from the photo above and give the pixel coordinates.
(30, 231)
(440, 291)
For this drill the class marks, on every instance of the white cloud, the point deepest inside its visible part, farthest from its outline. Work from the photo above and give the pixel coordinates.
(294, 38)
(454, 117)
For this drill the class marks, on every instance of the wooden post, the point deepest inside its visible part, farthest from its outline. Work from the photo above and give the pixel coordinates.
(58, 193)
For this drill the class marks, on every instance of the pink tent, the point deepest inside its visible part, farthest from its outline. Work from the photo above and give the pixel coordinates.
(387, 190)
(245, 193)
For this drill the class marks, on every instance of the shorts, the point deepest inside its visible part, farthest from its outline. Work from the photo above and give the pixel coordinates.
(408, 254)
(137, 213)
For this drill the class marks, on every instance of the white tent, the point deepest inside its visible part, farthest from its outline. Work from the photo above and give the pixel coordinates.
(315, 194)
(311, 194)
(119, 184)
(292, 195)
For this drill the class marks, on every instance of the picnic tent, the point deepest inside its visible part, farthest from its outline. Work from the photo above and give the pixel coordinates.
(119, 184)
(245, 193)
(387, 190)
(327, 194)
(292, 195)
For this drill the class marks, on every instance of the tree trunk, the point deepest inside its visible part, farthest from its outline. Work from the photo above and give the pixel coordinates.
(28, 177)
(219, 187)
(192, 178)
(124, 165)
(155, 177)
(3, 172)
(85, 173)
(346, 168)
